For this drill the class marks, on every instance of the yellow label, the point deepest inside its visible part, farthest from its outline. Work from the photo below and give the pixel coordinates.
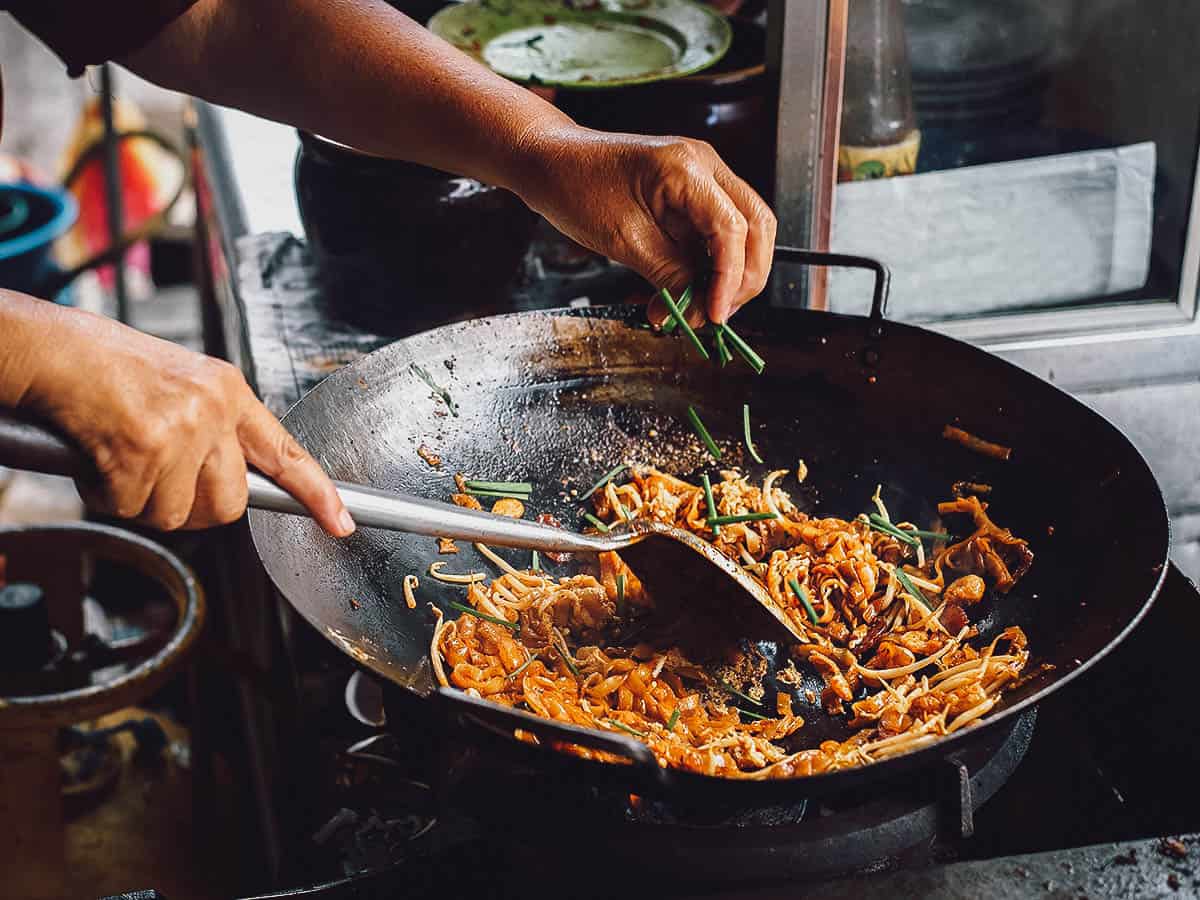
(866, 163)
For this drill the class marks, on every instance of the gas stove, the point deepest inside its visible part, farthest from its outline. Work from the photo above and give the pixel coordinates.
(1099, 762)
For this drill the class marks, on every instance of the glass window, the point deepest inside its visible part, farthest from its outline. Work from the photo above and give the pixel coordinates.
(1055, 153)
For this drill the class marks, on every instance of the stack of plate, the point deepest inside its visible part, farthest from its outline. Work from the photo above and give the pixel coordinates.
(978, 64)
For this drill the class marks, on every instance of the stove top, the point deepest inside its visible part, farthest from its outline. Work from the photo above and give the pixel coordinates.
(1071, 776)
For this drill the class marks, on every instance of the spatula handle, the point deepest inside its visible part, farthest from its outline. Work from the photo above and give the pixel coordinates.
(28, 443)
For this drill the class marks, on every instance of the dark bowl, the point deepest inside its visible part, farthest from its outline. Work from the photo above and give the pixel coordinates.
(404, 243)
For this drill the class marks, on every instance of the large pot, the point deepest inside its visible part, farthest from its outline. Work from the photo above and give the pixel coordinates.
(725, 105)
(408, 246)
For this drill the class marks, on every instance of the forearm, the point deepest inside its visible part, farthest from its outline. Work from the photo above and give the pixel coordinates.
(359, 72)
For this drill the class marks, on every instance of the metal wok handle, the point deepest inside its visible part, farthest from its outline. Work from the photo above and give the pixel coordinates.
(494, 717)
(27, 443)
(883, 277)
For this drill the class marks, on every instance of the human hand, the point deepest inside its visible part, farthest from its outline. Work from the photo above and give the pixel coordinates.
(170, 431)
(667, 207)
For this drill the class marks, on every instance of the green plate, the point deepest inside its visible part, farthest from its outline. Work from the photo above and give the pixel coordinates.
(608, 43)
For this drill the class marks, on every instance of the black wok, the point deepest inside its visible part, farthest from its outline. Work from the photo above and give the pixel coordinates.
(559, 398)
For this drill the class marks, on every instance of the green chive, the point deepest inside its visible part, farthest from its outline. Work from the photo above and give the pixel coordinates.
(930, 535)
(911, 588)
(751, 715)
(600, 526)
(476, 492)
(671, 722)
(622, 512)
(620, 590)
(802, 596)
(723, 353)
(511, 487)
(687, 329)
(879, 523)
(743, 517)
(624, 727)
(565, 654)
(709, 503)
(616, 470)
(729, 687)
(523, 666)
(702, 432)
(437, 389)
(746, 428)
(755, 361)
(536, 564)
(685, 300)
(471, 611)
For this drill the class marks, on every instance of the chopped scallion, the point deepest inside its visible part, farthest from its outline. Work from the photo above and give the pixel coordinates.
(600, 526)
(671, 722)
(477, 492)
(565, 654)
(685, 300)
(523, 666)
(620, 591)
(802, 596)
(710, 505)
(729, 687)
(755, 361)
(880, 524)
(702, 433)
(472, 611)
(687, 329)
(746, 427)
(911, 588)
(723, 353)
(624, 727)
(536, 564)
(437, 389)
(609, 476)
(512, 487)
(930, 535)
(752, 715)
(742, 517)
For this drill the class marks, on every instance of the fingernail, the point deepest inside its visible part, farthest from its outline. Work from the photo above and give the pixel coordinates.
(346, 523)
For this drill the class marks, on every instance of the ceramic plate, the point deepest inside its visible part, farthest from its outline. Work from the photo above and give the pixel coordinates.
(605, 43)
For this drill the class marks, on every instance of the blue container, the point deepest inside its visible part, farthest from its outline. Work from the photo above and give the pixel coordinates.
(31, 220)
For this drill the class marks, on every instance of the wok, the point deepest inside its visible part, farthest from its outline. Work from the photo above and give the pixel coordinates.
(558, 398)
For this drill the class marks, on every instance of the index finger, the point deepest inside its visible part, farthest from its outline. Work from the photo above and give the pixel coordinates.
(271, 449)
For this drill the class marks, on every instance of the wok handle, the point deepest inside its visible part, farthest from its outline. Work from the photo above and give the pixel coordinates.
(28, 443)
(505, 719)
(883, 277)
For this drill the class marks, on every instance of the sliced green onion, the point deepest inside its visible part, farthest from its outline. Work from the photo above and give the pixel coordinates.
(930, 535)
(742, 517)
(729, 687)
(746, 428)
(624, 727)
(477, 492)
(702, 433)
(709, 503)
(536, 564)
(512, 487)
(879, 523)
(911, 588)
(565, 654)
(755, 361)
(671, 722)
(437, 389)
(723, 353)
(802, 596)
(620, 590)
(471, 611)
(685, 300)
(752, 715)
(523, 666)
(600, 526)
(622, 511)
(609, 476)
(687, 329)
